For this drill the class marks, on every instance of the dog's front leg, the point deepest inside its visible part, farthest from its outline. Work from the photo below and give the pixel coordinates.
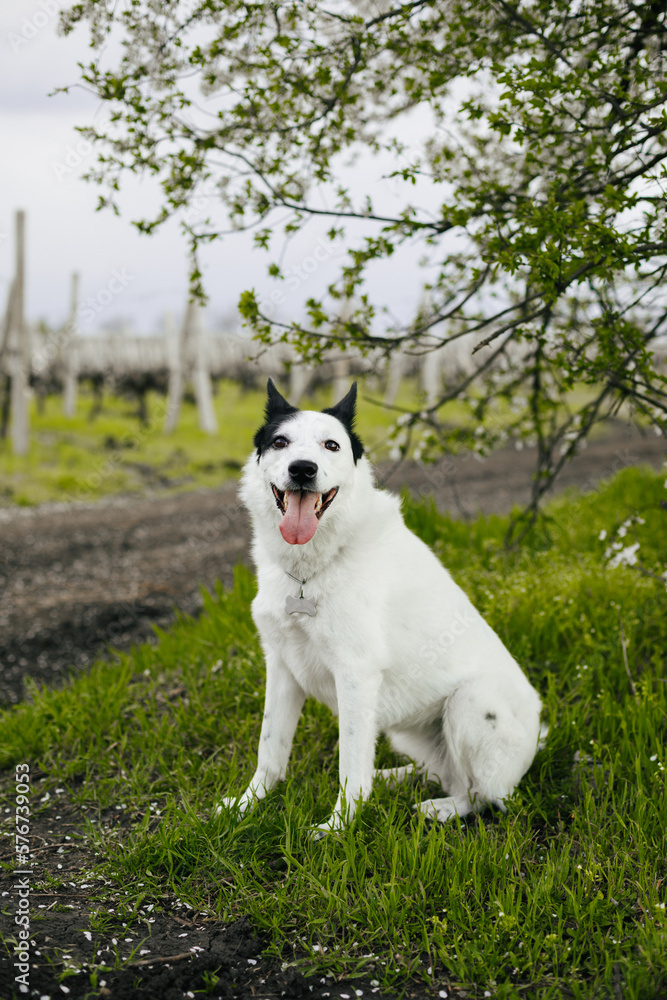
(282, 707)
(357, 732)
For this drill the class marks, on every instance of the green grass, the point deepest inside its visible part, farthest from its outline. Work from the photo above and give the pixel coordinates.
(562, 896)
(76, 458)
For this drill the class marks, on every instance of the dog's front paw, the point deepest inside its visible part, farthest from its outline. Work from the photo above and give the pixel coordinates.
(334, 824)
(239, 805)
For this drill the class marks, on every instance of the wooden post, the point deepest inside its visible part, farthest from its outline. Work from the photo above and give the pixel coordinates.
(20, 350)
(70, 353)
(7, 320)
(201, 378)
(5, 360)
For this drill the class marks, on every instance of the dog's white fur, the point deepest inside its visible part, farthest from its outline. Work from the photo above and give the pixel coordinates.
(395, 645)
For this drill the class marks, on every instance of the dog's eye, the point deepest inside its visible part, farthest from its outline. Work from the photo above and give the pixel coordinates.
(332, 446)
(280, 442)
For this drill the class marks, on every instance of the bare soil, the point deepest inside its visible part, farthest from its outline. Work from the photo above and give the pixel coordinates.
(76, 580)
(172, 950)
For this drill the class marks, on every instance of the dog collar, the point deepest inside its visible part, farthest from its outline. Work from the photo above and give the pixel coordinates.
(300, 603)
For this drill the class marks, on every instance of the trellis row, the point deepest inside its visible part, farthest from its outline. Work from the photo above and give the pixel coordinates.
(187, 354)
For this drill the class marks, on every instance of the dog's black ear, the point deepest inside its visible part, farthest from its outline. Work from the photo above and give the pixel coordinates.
(346, 412)
(276, 405)
(346, 409)
(275, 411)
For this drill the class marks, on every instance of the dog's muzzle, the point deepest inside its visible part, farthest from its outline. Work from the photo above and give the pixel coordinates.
(301, 511)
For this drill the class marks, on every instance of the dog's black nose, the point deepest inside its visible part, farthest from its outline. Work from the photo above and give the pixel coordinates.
(302, 471)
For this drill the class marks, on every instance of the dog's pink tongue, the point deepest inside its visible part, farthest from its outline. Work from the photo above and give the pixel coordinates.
(299, 522)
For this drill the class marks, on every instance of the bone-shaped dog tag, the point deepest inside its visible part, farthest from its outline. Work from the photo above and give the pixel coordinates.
(306, 604)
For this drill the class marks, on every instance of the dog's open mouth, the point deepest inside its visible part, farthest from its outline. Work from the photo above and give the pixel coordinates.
(301, 510)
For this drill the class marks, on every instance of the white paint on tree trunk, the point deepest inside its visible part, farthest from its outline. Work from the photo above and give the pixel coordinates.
(173, 336)
(299, 380)
(201, 378)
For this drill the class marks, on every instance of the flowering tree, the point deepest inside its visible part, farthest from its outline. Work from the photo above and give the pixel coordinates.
(544, 235)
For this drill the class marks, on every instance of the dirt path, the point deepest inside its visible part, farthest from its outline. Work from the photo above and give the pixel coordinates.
(75, 579)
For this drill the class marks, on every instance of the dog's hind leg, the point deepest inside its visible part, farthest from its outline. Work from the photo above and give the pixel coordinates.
(490, 730)
(422, 745)
(451, 805)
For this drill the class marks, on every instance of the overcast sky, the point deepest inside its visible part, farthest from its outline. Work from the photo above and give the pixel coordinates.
(39, 172)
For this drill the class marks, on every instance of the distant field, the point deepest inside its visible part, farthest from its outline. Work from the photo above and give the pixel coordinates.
(79, 458)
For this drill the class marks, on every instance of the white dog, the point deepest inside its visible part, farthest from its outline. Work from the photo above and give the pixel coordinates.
(354, 610)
